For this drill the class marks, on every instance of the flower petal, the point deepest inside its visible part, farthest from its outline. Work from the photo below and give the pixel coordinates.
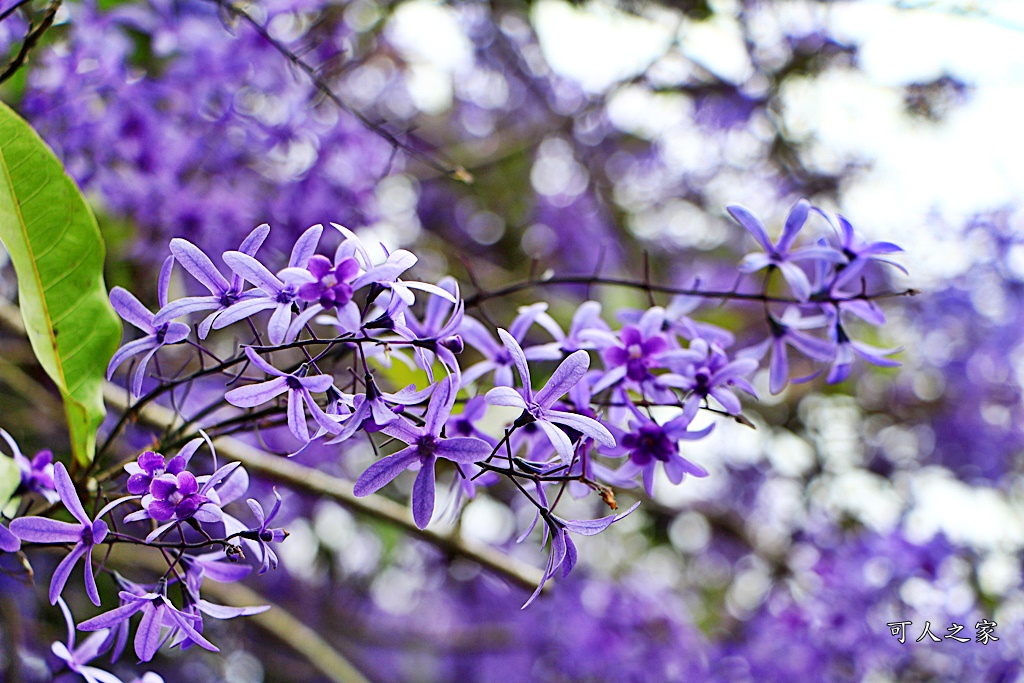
(423, 495)
(382, 472)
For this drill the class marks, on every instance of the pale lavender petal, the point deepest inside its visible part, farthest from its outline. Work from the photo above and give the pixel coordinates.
(63, 571)
(752, 224)
(176, 332)
(505, 396)
(558, 439)
(9, 543)
(727, 399)
(257, 394)
(300, 321)
(253, 271)
(325, 421)
(754, 262)
(403, 429)
(254, 240)
(477, 336)
(199, 265)
(182, 622)
(778, 368)
(115, 616)
(186, 306)
(389, 271)
(440, 406)
(476, 371)
(45, 530)
(131, 309)
(463, 449)
(224, 612)
(241, 310)
(582, 424)
(797, 280)
(317, 383)
(128, 350)
(818, 349)
(519, 359)
(430, 289)
(875, 355)
(423, 494)
(611, 377)
(90, 579)
(257, 511)
(68, 495)
(147, 638)
(794, 222)
(380, 473)
(139, 376)
(264, 365)
(565, 377)
(297, 417)
(305, 247)
(280, 319)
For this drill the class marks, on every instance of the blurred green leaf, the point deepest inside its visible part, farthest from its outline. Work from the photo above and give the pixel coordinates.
(10, 477)
(57, 253)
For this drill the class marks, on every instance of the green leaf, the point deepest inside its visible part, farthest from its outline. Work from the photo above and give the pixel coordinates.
(10, 477)
(57, 253)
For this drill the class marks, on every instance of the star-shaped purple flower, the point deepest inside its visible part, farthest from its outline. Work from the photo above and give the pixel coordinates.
(222, 293)
(86, 535)
(425, 447)
(298, 387)
(782, 255)
(132, 310)
(537, 406)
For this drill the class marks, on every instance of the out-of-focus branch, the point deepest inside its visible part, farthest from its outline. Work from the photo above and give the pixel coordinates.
(236, 10)
(31, 39)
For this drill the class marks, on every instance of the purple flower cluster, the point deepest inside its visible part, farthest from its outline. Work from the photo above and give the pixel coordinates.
(167, 492)
(829, 291)
(571, 432)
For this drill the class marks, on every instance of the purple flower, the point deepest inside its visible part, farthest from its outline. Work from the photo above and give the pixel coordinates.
(173, 498)
(77, 658)
(497, 357)
(712, 374)
(437, 335)
(86, 535)
(649, 443)
(563, 550)
(151, 465)
(264, 535)
(787, 331)
(298, 387)
(156, 611)
(333, 284)
(847, 348)
(537, 407)
(279, 292)
(223, 294)
(36, 474)
(781, 255)
(132, 310)
(425, 447)
(858, 253)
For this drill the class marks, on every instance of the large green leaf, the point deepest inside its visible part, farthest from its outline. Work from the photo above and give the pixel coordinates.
(57, 252)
